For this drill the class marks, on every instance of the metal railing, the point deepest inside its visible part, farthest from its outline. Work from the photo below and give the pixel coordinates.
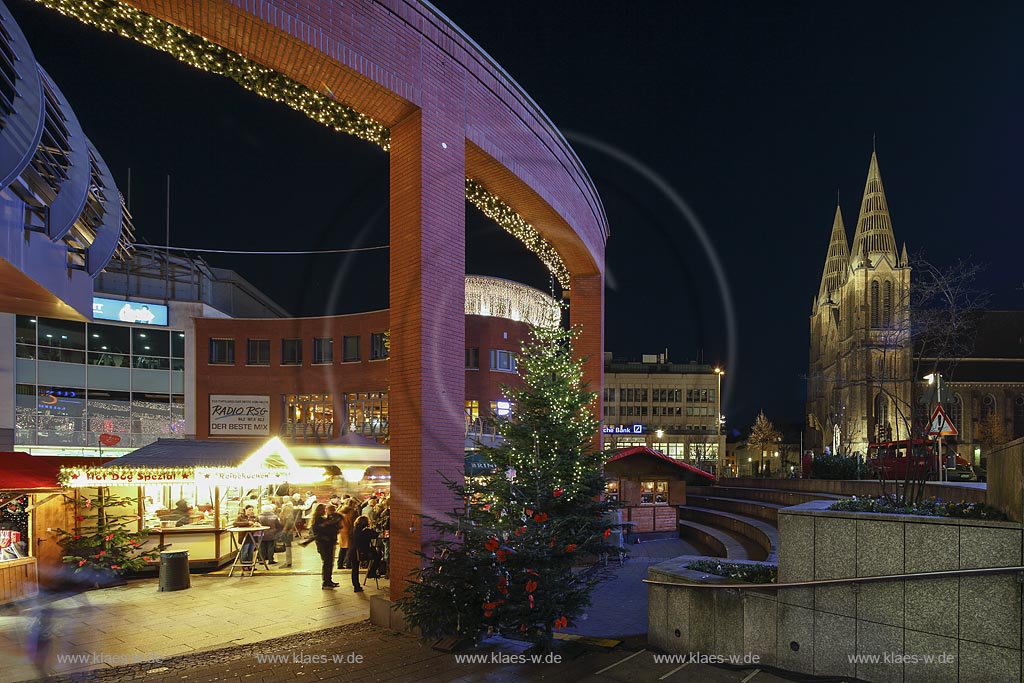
(952, 573)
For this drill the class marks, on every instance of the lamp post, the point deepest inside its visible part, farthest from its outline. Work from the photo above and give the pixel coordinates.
(936, 379)
(718, 424)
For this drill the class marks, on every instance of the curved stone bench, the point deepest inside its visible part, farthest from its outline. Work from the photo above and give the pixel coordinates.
(719, 542)
(769, 512)
(763, 534)
(777, 496)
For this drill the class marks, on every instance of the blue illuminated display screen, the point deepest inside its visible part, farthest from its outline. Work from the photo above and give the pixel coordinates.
(128, 311)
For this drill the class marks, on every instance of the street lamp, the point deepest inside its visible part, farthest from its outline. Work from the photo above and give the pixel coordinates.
(718, 422)
(936, 379)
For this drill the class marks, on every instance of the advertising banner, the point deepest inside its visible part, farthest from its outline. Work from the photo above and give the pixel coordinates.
(233, 415)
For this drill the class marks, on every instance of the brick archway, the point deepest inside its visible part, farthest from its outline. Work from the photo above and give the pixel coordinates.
(453, 113)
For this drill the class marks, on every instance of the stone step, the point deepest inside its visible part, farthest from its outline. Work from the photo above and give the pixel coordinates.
(719, 542)
(769, 512)
(763, 534)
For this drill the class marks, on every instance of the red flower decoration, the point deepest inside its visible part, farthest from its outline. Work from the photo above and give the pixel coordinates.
(101, 553)
(108, 537)
(531, 586)
(531, 600)
(75, 537)
(134, 543)
(540, 517)
(81, 562)
(492, 605)
(557, 492)
(502, 555)
(88, 503)
(79, 519)
(487, 507)
(571, 547)
(115, 566)
(561, 622)
(529, 512)
(492, 544)
(607, 533)
(520, 531)
(531, 572)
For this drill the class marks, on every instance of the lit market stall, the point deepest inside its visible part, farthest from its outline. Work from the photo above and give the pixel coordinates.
(190, 492)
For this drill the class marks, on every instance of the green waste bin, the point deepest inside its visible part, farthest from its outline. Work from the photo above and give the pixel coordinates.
(174, 571)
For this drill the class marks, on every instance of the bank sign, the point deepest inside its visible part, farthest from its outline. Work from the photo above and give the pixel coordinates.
(232, 415)
(628, 429)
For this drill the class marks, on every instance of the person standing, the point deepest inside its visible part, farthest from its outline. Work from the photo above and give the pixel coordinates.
(324, 527)
(348, 518)
(247, 517)
(268, 518)
(362, 549)
(307, 512)
(287, 517)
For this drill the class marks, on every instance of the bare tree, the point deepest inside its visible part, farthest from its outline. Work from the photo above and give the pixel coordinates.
(763, 437)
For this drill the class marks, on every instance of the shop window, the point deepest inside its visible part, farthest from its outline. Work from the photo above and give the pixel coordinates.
(258, 352)
(473, 358)
(472, 410)
(222, 352)
(654, 492)
(368, 414)
(323, 350)
(109, 345)
(149, 342)
(291, 352)
(503, 361)
(350, 349)
(611, 490)
(61, 334)
(378, 346)
(308, 416)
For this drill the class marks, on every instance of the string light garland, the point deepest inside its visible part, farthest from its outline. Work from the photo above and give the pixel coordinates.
(126, 21)
(514, 224)
(127, 476)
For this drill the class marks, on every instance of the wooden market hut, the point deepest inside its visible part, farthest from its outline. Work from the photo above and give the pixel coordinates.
(651, 486)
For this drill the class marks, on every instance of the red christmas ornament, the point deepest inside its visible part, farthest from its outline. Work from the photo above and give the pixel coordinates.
(607, 533)
(487, 508)
(540, 517)
(571, 547)
(528, 512)
(520, 531)
(79, 519)
(531, 586)
(557, 492)
(115, 566)
(492, 544)
(531, 600)
(561, 622)
(81, 562)
(502, 555)
(108, 537)
(531, 572)
(88, 503)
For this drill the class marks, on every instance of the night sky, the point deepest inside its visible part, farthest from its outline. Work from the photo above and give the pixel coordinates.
(754, 114)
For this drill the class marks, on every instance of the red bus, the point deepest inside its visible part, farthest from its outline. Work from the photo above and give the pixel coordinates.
(892, 459)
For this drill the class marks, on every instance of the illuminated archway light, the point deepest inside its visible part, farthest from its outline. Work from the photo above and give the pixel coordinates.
(126, 21)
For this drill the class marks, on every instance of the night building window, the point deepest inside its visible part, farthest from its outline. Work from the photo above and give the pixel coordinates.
(350, 352)
(473, 358)
(368, 414)
(291, 352)
(654, 492)
(323, 350)
(874, 304)
(472, 410)
(378, 346)
(611, 490)
(258, 352)
(503, 361)
(222, 352)
(308, 416)
(609, 395)
(988, 406)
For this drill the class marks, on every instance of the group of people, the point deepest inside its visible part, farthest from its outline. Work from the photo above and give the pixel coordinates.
(347, 532)
(356, 529)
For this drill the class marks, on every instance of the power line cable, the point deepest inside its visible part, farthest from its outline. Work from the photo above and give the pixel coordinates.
(268, 253)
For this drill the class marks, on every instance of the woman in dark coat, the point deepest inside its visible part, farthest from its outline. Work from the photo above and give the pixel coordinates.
(362, 550)
(324, 525)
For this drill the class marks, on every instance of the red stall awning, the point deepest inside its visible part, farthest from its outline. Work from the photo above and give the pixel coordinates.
(25, 472)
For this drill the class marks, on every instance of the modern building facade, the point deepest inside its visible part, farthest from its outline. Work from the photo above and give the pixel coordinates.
(673, 408)
(317, 379)
(126, 376)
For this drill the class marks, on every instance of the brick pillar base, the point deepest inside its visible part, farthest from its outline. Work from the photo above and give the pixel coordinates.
(586, 311)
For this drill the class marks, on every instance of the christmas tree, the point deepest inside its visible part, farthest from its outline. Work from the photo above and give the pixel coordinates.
(512, 560)
(103, 545)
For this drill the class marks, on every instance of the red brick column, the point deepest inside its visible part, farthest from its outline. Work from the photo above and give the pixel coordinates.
(586, 311)
(427, 373)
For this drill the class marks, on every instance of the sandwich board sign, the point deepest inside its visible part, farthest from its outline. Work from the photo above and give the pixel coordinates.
(940, 424)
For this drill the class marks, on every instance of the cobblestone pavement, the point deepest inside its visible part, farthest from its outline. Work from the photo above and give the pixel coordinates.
(361, 652)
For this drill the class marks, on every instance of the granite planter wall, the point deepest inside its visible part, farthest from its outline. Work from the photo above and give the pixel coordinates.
(965, 628)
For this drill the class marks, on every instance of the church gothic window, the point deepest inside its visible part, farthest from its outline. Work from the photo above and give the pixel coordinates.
(988, 406)
(1018, 417)
(874, 304)
(882, 417)
(955, 411)
(887, 305)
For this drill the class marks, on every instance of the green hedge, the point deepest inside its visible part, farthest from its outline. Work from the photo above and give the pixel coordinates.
(930, 507)
(749, 573)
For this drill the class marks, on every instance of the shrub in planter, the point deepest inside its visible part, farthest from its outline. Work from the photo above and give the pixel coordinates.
(749, 573)
(929, 507)
(839, 466)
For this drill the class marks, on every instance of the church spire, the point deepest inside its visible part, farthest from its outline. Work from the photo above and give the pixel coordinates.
(874, 227)
(837, 260)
